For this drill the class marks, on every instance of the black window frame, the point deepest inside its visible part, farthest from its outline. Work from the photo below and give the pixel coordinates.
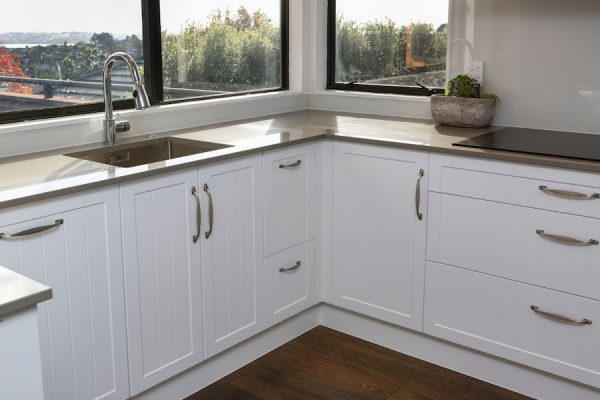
(153, 76)
(332, 84)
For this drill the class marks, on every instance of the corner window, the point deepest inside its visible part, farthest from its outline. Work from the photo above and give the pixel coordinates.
(51, 61)
(387, 46)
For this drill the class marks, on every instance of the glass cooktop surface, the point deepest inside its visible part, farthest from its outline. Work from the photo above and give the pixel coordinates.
(579, 146)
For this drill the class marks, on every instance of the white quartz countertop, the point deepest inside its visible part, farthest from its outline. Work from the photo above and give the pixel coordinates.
(34, 177)
(18, 292)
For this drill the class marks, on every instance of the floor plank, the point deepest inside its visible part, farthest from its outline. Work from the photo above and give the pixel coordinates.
(324, 364)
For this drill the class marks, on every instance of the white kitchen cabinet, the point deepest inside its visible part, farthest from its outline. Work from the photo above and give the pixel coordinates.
(78, 254)
(290, 282)
(289, 193)
(162, 276)
(504, 318)
(21, 366)
(379, 227)
(232, 252)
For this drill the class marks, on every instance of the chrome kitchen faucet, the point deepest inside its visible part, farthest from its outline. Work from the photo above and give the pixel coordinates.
(140, 97)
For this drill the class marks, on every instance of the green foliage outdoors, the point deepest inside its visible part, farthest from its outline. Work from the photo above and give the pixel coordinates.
(240, 52)
(377, 50)
(74, 62)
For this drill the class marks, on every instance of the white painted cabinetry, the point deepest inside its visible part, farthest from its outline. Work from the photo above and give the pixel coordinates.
(378, 236)
(513, 263)
(162, 277)
(289, 212)
(289, 193)
(21, 366)
(289, 282)
(232, 252)
(495, 315)
(78, 254)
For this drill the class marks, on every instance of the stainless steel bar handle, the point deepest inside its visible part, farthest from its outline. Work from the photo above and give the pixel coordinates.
(560, 318)
(290, 269)
(569, 194)
(418, 195)
(210, 211)
(198, 214)
(293, 165)
(32, 231)
(566, 239)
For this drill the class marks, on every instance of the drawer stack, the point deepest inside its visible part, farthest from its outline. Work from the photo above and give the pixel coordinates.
(513, 265)
(289, 193)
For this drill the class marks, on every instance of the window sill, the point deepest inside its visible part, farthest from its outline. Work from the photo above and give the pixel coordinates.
(395, 105)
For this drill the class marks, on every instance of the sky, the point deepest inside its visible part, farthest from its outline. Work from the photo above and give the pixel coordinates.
(124, 16)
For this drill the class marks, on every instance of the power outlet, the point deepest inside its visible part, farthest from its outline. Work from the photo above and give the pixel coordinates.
(476, 70)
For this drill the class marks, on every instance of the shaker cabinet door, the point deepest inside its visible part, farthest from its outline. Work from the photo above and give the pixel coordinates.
(162, 277)
(232, 252)
(379, 226)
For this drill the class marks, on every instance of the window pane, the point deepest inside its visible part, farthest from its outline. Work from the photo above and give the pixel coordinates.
(398, 43)
(52, 52)
(220, 47)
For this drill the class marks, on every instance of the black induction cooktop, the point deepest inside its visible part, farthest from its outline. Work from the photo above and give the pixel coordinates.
(579, 146)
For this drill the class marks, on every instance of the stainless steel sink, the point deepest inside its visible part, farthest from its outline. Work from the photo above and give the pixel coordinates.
(146, 152)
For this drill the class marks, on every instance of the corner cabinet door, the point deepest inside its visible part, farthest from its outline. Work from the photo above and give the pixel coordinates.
(232, 274)
(378, 239)
(82, 328)
(162, 277)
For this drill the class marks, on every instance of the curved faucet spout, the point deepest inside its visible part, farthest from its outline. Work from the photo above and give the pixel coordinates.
(140, 97)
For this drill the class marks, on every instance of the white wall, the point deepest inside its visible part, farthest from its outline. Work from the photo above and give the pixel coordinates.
(542, 57)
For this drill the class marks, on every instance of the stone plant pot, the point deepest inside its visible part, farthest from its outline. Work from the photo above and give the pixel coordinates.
(462, 112)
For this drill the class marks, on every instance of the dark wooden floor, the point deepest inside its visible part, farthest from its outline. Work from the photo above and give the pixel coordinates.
(328, 365)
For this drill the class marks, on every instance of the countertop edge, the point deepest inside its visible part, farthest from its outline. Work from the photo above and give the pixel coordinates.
(33, 292)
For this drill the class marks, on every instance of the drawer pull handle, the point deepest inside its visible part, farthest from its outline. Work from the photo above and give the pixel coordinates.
(566, 239)
(32, 231)
(210, 212)
(418, 195)
(290, 269)
(292, 165)
(198, 215)
(560, 318)
(570, 195)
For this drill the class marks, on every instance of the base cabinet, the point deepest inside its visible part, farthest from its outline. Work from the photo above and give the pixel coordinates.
(379, 232)
(232, 252)
(78, 254)
(162, 277)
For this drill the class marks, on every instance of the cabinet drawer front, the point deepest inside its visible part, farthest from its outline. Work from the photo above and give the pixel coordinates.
(289, 191)
(494, 315)
(517, 184)
(290, 282)
(506, 241)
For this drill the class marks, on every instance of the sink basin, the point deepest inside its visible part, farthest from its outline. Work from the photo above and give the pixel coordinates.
(146, 152)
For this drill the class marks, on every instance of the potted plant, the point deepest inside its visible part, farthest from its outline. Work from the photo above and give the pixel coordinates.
(464, 104)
